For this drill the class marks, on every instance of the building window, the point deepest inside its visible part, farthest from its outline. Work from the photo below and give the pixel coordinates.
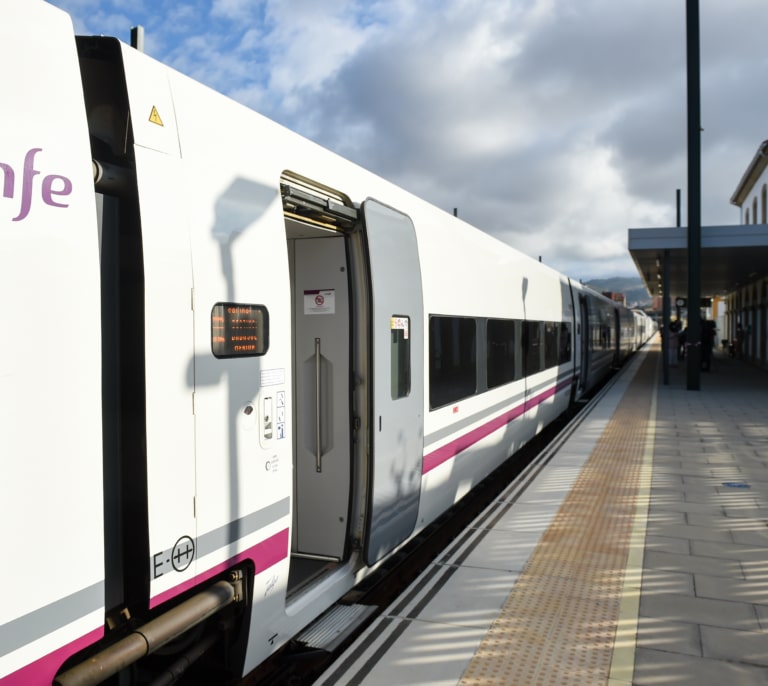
(754, 209)
(764, 216)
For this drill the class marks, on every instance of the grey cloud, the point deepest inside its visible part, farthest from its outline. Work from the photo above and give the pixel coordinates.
(553, 125)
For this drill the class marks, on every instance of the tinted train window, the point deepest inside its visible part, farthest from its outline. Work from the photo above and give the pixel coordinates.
(400, 356)
(547, 344)
(564, 343)
(452, 359)
(501, 341)
(551, 344)
(533, 348)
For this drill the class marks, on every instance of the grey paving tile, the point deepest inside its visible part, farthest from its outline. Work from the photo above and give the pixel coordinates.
(697, 533)
(727, 473)
(503, 550)
(671, 637)
(667, 465)
(675, 505)
(662, 581)
(754, 591)
(739, 646)
(660, 668)
(730, 499)
(762, 616)
(756, 536)
(692, 564)
(666, 544)
(741, 512)
(696, 610)
(718, 520)
(730, 551)
(704, 482)
(660, 518)
(720, 459)
(668, 486)
(477, 610)
(755, 569)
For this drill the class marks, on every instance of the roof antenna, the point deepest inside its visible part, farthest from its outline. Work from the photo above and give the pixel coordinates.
(137, 38)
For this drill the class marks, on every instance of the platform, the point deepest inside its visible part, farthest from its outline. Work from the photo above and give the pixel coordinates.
(635, 551)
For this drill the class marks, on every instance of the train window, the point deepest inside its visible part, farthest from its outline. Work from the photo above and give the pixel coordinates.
(551, 345)
(533, 347)
(400, 356)
(452, 359)
(557, 343)
(501, 340)
(239, 330)
(565, 342)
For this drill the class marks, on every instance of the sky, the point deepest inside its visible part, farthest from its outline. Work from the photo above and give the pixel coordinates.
(554, 125)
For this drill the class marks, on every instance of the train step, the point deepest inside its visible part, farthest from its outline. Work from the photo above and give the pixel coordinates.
(332, 628)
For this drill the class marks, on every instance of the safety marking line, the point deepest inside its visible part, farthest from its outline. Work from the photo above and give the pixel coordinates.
(625, 643)
(559, 623)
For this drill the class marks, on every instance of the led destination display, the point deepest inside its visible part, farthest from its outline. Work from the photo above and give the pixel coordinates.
(239, 330)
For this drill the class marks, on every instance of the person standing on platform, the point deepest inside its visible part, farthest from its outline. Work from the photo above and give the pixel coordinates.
(673, 349)
(707, 343)
(739, 341)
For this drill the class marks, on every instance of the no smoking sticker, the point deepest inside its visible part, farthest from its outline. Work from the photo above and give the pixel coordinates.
(320, 301)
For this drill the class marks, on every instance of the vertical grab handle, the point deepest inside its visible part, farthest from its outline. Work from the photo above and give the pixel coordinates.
(318, 395)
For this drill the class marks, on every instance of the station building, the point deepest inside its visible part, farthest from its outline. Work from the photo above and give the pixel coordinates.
(733, 266)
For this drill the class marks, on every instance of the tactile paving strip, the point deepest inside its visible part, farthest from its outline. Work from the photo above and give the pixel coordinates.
(559, 623)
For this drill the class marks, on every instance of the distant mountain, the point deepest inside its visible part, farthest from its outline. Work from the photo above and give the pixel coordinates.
(632, 287)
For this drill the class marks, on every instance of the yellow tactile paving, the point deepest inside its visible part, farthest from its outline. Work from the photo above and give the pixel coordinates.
(560, 622)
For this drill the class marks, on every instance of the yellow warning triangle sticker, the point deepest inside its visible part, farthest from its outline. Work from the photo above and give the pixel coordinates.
(154, 116)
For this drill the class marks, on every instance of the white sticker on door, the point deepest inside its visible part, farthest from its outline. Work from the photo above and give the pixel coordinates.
(320, 301)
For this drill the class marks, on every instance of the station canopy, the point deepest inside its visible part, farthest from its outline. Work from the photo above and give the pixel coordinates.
(731, 257)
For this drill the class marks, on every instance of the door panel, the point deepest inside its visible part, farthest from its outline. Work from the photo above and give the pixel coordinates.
(321, 306)
(398, 373)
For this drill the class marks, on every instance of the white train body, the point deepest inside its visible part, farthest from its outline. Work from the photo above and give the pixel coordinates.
(241, 353)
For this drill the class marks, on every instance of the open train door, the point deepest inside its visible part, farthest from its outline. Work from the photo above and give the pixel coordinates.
(397, 426)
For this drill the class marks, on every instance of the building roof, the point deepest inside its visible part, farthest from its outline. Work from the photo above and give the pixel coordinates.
(731, 256)
(751, 175)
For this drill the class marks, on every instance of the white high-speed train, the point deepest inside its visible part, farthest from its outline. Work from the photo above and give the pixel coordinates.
(237, 371)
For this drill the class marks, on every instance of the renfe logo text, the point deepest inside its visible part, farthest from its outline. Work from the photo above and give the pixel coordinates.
(53, 188)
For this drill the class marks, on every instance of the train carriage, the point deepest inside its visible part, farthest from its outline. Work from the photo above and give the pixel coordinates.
(241, 371)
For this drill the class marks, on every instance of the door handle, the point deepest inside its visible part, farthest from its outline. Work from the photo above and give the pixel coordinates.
(318, 395)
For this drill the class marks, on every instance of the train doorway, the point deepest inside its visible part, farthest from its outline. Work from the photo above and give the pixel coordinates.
(322, 364)
(358, 351)
(321, 380)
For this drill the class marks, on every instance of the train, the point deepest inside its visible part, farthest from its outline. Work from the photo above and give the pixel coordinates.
(238, 372)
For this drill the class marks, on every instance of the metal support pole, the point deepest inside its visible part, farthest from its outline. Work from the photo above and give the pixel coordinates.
(665, 317)
(694, 197)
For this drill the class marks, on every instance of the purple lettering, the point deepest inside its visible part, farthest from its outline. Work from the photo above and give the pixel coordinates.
(49, 190)
(54, 188)
(8, 179)
(26, 185)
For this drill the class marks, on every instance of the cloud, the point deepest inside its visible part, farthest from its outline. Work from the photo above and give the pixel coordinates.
(552, 124)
